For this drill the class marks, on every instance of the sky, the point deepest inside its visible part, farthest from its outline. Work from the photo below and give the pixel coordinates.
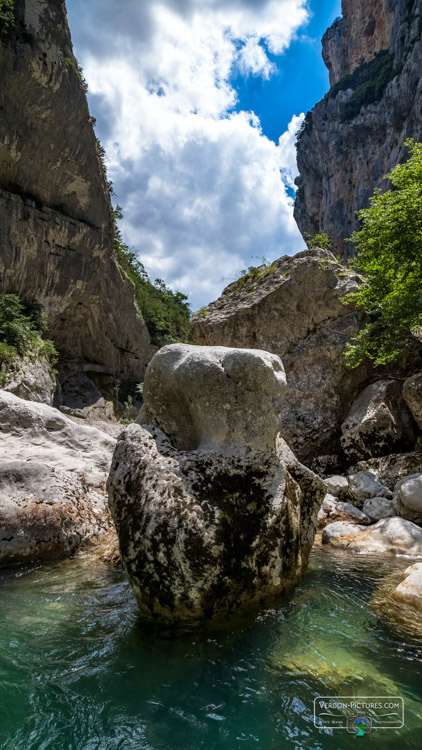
(197, 104)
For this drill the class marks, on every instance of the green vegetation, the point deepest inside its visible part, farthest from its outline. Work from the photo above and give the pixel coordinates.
(368, 81)
(389, 247)
(21, 334)
(7, 17)
(250, 276)
(166, 313)
(71, 62)
(322, 240)
(305, 128)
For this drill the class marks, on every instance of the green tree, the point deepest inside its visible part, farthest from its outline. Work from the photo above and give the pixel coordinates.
(389, 255)
(21, 330)
(321, 240)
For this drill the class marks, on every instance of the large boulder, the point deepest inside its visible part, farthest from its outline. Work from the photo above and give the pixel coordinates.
(409, 497)
(364, 485)
(52, 482)
(392, 536)
(295, 309)
(212, 509)
(388, 470)
(202, 396)
(32, 380)
(377, 508)
(412, 394)
(379, 422)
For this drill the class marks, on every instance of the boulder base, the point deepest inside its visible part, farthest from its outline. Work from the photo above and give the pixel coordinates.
(204, 532)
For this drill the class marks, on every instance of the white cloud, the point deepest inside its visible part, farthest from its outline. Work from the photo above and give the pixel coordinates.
(202, 188)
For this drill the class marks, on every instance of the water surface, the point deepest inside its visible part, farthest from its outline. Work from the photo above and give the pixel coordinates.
(80, 669)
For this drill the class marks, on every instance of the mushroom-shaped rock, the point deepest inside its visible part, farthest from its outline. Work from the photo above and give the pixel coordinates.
(211, 395)
(212, 509)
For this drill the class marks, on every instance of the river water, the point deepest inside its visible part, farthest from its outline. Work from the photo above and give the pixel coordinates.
(81, 670)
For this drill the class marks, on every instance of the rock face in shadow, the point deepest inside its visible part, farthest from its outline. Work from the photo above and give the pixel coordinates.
(52, 482)
(215, 514)
(356, 133)
(55, 218)
(295, 310)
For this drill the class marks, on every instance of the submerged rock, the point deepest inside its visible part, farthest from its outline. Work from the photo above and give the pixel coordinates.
(409, 591)
(217, 513)
(52, 482)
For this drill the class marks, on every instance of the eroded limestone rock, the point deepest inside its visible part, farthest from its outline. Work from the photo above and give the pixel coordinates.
(52, 482)
(412, 394)
(202, 396)
(395, 536)
(409, 497)
(295, 309)
(32, 380)
(409, 591)
(217, 513)
(379, 422)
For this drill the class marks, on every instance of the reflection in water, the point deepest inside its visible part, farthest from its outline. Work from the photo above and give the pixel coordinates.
(80, 670)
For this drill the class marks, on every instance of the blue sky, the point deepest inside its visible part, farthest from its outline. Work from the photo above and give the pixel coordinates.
(197, 104)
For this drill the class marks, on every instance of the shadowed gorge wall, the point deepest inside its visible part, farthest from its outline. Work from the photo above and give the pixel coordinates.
(55, 216)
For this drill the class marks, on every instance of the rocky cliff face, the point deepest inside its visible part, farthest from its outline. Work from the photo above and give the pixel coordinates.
(294, 309)
(55, 219)
(355, 135)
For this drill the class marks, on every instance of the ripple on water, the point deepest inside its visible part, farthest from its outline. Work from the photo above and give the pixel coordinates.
(80, 670)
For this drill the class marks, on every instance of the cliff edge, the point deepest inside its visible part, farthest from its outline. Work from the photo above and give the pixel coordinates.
(56, 231)
(356, 133)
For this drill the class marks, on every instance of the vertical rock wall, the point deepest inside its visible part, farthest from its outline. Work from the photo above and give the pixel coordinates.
(356, 134)
(55, 218)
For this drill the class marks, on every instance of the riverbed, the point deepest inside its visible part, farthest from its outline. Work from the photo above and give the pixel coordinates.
(81, 670)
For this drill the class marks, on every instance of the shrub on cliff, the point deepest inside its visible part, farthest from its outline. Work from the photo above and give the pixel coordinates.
(7, 17)
(21, 334)
(166, 313)
(389, 247)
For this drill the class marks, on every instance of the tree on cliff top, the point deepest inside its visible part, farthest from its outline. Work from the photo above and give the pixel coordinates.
(389, 247)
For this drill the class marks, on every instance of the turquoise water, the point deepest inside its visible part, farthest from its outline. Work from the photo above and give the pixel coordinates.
(80, 670)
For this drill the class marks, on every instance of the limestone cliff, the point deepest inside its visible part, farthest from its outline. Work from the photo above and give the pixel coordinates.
(294, 309)
(355, 135)
(55, 218)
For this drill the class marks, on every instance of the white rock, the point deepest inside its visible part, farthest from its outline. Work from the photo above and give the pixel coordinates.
(409, 590)
(394, 536)
(377, 508)
(32, 380)
(52, 482)
(202, 396)
(409, 497)
(364, 485)
(329, 503)
(348, 512)
(338, 486)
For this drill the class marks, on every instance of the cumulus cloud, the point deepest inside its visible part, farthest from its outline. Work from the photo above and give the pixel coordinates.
(204, 192)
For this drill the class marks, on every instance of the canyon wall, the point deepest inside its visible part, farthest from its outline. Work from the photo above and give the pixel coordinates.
(356, 133)
(56, 231)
